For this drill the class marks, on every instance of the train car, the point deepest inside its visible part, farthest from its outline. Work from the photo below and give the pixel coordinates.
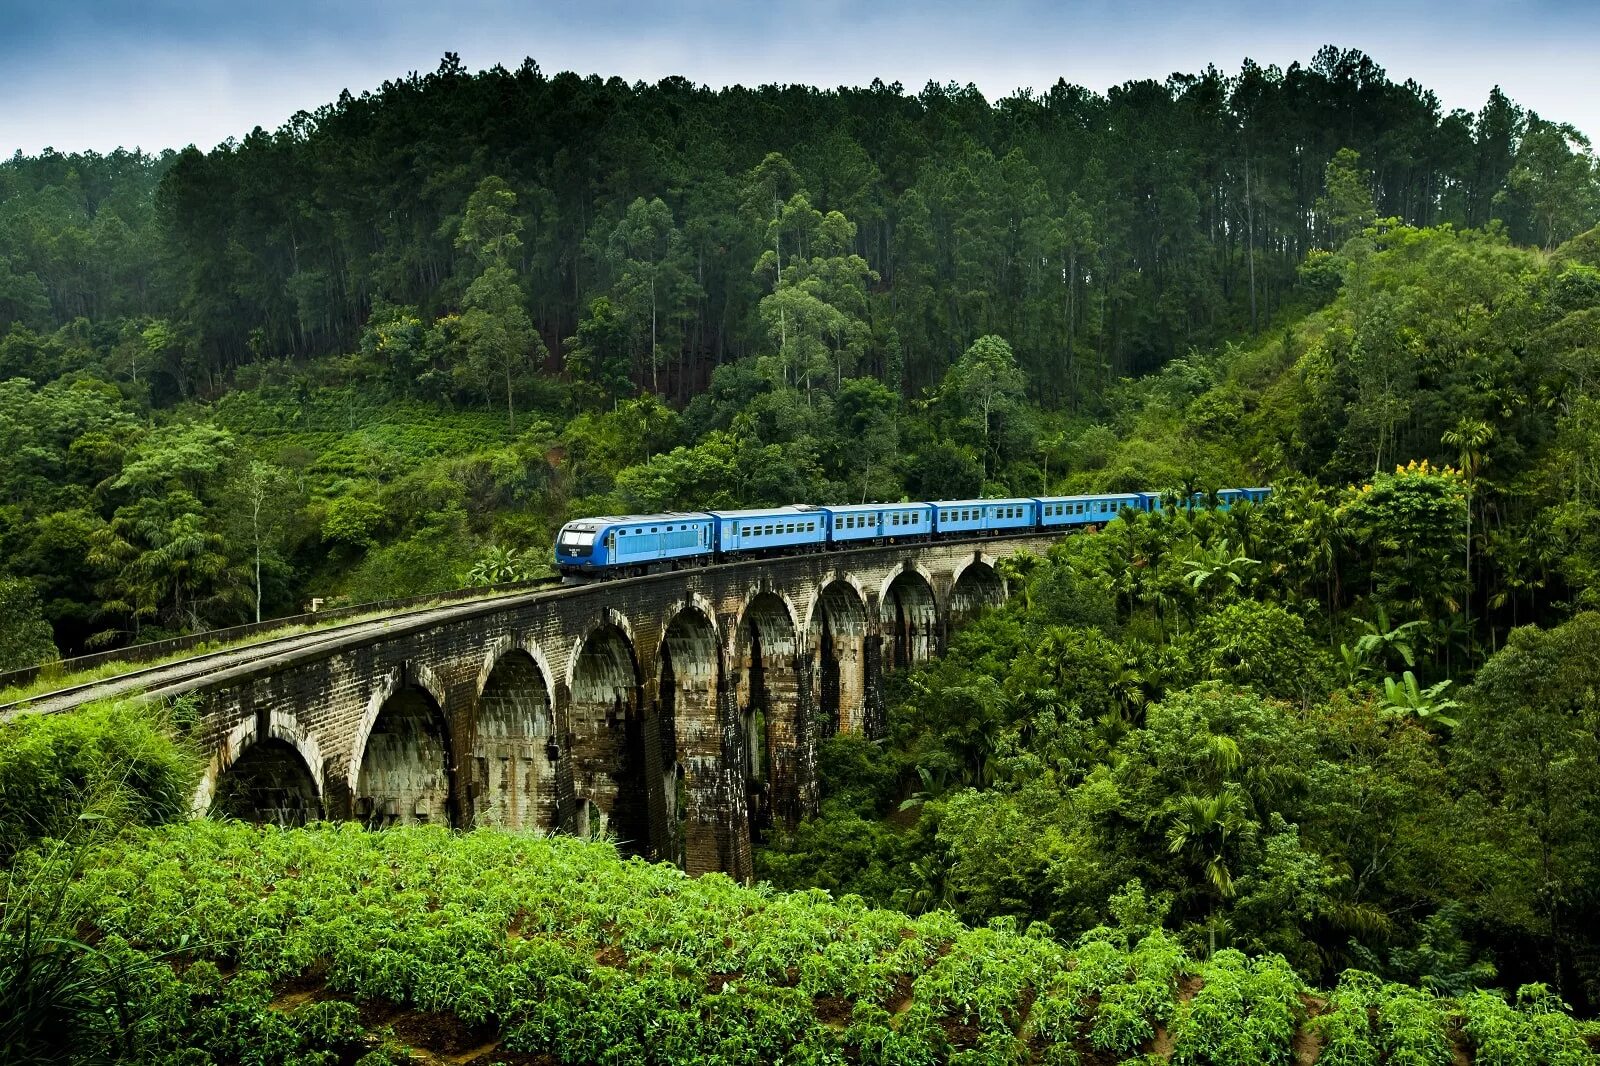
(966, 517)
(1227, 498)
(902, 521)
(1086, 510)
(633, 543)
(767, 529)
(854, 522)
(850, 524)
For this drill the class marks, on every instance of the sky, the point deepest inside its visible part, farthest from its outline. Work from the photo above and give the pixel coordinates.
(101, 74)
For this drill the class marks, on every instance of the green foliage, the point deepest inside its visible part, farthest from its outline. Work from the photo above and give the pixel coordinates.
(1534, 1030)
(561, 950)
(116, 761)
(25, 637)
(1246, 1012)
(1259, 645)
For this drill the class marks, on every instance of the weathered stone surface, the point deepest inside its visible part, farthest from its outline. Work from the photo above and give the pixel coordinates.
(680, 712)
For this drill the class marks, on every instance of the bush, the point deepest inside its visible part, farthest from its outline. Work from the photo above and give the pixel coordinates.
(25, 637)
(116, 759)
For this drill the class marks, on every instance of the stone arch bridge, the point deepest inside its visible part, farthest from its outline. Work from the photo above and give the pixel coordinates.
(679, 712)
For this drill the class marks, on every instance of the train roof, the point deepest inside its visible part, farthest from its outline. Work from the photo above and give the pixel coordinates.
(1093, 496)
(871, 506)
(981, 503)
(629, 519)
(762, 512)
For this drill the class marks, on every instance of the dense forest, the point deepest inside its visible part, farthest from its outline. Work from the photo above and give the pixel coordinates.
(232, 381)
(1320, 776)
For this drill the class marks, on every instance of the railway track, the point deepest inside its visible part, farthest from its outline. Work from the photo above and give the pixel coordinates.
(185, 674)
(190, 667)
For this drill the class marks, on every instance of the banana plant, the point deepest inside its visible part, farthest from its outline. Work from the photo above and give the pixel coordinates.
(1379, 639)
(1407, 697)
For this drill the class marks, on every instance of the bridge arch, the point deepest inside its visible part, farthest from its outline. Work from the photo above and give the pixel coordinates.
(275, 779)
(767, 695)
(606, 737)
(402, 764)
(977, 585)
(838, 629)
(514, 751)
(908, 615)
(689, 689)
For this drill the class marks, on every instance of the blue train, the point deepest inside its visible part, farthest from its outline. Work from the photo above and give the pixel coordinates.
(638, 544)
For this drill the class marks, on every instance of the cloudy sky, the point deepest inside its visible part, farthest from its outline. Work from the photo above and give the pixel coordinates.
(96, 74)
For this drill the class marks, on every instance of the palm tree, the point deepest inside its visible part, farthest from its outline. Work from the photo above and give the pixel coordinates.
(1202, 829)
(1469, 438)
(499, 566)
(1219, 566)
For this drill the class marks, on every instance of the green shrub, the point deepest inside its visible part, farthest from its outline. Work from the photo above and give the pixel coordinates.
(1536, 1031)
(115, 760)
(1245, 1014)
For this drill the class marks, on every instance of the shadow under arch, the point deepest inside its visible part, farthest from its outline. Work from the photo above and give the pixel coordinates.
(269, 784)
(690, 737)
(607, 740)
(767, 696)
(978, 586)
(514, 751)
(839, 625)
(908, 615)
(405, 775)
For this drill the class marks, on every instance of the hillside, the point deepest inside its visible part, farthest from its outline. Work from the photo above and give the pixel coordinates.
(362, 356)
(1315, 780)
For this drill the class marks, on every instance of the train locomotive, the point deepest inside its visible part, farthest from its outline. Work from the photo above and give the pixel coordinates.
(620, 545)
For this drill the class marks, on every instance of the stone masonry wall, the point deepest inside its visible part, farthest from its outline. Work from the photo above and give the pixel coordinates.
(640, 689)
